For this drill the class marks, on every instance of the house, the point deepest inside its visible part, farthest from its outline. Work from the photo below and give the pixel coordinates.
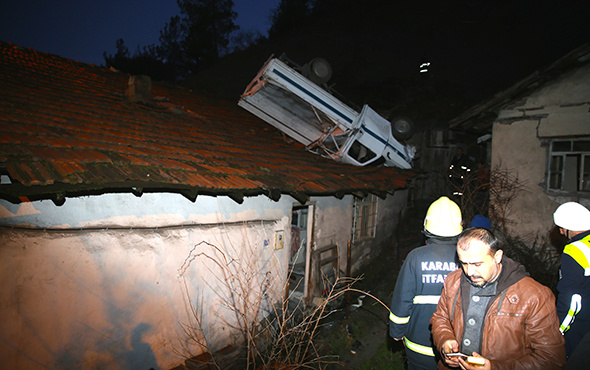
(131, 209)
(540, 130)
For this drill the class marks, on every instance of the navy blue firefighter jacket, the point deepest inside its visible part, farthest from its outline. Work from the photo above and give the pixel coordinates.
(417, 291)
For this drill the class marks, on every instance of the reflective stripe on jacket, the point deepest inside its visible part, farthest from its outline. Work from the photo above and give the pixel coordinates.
(575, 307)
(423, 350)
(417, 292)
(580, 252)
(573, 301)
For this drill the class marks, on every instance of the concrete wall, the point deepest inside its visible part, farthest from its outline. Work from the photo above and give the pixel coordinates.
(111, 281)
(520, 135)
(517, 151)
(116, 291)
(390, 211)
(333, 224)
(561, 106)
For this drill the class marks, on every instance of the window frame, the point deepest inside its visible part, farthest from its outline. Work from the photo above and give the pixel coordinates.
(365, 212)
(568, 165)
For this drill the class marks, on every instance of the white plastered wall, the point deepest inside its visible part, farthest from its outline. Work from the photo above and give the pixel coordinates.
(109, 281)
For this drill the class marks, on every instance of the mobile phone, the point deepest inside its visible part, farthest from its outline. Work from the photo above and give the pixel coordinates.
(475, 360)
(469, 359)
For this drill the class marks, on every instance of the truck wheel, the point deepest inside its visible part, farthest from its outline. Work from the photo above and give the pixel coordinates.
(318, 70)
(402, 128)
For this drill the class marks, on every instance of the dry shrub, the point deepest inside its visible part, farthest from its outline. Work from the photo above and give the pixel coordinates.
(493, 195)
(275, 330)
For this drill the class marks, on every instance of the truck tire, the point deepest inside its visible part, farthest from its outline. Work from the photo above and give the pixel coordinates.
(318, 70)
(402, 128)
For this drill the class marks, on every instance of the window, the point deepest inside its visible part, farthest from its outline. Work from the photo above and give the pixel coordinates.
(365, 218)
(569, 165)
(360, 153)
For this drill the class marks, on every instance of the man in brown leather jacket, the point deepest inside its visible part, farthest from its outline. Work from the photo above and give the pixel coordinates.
(491, 308)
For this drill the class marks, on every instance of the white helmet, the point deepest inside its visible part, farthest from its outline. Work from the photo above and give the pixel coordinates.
(572, 216)
(443, 218)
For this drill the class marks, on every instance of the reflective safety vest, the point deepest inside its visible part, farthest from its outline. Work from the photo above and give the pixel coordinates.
(579, 251)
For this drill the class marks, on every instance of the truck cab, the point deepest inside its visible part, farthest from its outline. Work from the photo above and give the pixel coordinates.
(308, 113)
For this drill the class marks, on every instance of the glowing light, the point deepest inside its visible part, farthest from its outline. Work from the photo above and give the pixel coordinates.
(424, 67)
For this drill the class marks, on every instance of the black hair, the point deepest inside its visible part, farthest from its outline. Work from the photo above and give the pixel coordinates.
(481, 234)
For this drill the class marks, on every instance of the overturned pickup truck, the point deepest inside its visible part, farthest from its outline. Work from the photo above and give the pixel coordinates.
(302, 109)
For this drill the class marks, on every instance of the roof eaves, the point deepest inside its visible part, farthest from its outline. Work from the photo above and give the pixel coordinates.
(482, 115)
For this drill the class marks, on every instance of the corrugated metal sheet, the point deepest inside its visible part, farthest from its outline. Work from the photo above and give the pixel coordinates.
(67, 127)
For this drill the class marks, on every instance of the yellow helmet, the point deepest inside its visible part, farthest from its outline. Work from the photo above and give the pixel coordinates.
(443, 218)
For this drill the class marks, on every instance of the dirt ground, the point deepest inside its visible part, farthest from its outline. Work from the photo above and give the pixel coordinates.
(361, 339)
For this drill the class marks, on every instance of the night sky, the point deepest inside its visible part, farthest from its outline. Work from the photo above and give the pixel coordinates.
(82, 30)
(476, 48)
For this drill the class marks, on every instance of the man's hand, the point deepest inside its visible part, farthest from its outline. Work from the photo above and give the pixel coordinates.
(450, 346)
(468, 366)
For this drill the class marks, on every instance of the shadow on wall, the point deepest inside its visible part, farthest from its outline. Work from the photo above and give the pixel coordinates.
(141, 355)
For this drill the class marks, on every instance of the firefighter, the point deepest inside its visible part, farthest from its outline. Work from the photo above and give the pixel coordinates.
(420, 282)
(573, 300)
(459, 169)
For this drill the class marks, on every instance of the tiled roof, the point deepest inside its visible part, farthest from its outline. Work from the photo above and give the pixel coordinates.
(67, 129)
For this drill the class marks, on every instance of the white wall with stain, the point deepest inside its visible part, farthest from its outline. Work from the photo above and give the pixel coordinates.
(110, 281)
(101, 282)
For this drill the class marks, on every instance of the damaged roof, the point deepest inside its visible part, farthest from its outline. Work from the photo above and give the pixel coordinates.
(480, 118)
(68, 129)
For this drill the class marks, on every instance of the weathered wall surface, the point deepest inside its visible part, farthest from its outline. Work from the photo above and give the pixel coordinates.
(389, 214)
(517, 150)
(334, 221)
(561, 107)
(556, 110)
(149, 210)
(110, 281)
(116, 291)
(334, 225)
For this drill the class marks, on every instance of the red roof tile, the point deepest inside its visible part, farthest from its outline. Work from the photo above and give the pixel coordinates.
(66, 127)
